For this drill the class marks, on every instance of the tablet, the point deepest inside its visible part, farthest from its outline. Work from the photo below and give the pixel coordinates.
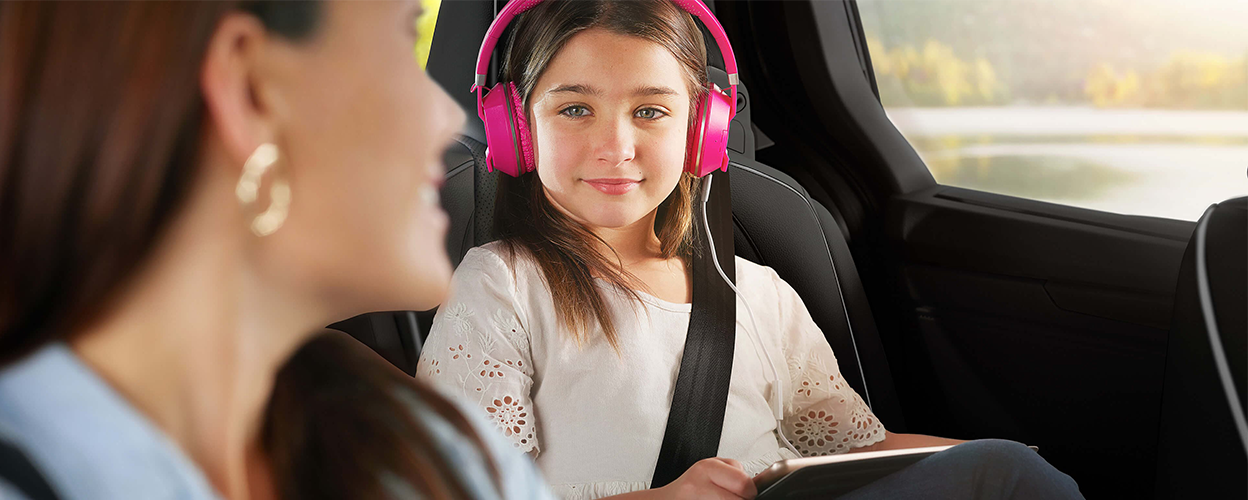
(835, 474)
(827, 477)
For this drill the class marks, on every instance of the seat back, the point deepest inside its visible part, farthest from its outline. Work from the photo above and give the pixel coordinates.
(775, 223)
(1203, 442)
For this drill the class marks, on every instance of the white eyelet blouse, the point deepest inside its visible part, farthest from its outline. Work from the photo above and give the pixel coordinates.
(594, 417)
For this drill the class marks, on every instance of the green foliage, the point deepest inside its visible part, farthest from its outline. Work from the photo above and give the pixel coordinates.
(1103, 53)
(424, 27)
(934, 76)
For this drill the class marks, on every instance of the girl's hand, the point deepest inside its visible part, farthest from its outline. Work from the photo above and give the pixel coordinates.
(712, 478)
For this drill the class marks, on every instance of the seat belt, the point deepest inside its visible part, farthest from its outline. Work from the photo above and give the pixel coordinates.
(17, 471)
(696, 419)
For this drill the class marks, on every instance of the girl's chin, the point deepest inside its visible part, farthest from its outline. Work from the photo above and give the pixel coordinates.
(613, 219)
(610, 213)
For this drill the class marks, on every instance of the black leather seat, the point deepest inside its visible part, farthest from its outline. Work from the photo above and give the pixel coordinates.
(776, 223)
(1203, 447)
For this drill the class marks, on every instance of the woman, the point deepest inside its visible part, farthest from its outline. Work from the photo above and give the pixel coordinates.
(569, 330)
(189, 190)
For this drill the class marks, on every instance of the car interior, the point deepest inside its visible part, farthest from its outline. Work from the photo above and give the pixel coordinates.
(1203, 387)
(1114, 343)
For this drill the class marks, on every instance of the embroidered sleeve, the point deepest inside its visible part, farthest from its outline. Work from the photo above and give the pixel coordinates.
(823, 415)
(478, 350)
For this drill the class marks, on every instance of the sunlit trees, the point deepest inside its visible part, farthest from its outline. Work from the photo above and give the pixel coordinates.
(1106, 87)
(1187, 80)
(424, 27)
(935, 76)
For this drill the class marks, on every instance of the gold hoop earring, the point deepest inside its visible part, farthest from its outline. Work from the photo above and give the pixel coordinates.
(248, 190)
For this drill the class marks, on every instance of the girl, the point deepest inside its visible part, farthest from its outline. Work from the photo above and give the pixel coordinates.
(189, 190)
(569, 330)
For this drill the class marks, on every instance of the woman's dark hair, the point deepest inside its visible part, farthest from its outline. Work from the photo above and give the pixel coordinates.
(99, 128)
(525, 219)
(101, 119)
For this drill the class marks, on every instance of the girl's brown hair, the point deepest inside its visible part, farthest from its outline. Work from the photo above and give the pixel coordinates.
(565, 250)
(100, 126)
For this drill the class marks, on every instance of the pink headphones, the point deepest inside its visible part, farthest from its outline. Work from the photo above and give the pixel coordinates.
(510, 148)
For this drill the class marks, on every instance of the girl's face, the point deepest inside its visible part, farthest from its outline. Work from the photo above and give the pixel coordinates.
(609, 120)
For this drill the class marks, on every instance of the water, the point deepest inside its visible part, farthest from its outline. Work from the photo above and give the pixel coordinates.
(1162, 163)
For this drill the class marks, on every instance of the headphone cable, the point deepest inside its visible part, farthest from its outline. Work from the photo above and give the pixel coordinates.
(775, 403)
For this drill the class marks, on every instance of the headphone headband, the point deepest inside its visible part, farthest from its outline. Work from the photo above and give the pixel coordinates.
(693, 7)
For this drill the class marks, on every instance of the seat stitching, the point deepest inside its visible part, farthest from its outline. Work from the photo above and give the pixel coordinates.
(748, 240)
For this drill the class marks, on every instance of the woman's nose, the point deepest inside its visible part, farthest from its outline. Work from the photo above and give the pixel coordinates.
(616, 142)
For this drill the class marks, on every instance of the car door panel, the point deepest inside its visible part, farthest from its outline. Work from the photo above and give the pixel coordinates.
(1038, 322)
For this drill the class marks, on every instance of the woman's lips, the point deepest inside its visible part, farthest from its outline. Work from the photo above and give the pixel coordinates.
(613, 186)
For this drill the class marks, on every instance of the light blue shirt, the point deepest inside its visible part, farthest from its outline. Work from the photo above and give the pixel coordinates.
(87, 440)
(89, 443)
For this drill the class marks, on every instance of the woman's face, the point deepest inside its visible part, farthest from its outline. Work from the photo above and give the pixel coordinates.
(609, 119)
(363, 137)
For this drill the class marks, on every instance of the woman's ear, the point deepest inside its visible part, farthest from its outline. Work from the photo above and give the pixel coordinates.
(231, 79)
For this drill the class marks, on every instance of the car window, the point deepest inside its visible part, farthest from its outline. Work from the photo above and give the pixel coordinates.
(425, 24)
(1131, 106)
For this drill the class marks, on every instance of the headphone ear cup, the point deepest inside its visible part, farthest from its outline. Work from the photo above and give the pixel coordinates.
(502, 152)
(708, 137)
(526, 161)
(693, 144)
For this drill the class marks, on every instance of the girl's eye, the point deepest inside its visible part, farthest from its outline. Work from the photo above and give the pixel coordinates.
(575, 111)
(649, 114)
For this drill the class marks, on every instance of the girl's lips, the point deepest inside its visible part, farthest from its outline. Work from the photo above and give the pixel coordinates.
(613, 186)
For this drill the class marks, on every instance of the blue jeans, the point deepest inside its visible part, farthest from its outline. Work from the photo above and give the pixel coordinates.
(982, 469)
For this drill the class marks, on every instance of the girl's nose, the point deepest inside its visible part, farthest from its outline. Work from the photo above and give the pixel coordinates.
(616, 143)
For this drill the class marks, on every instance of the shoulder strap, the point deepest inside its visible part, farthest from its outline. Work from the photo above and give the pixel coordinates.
(17, 470)
(696, 419)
